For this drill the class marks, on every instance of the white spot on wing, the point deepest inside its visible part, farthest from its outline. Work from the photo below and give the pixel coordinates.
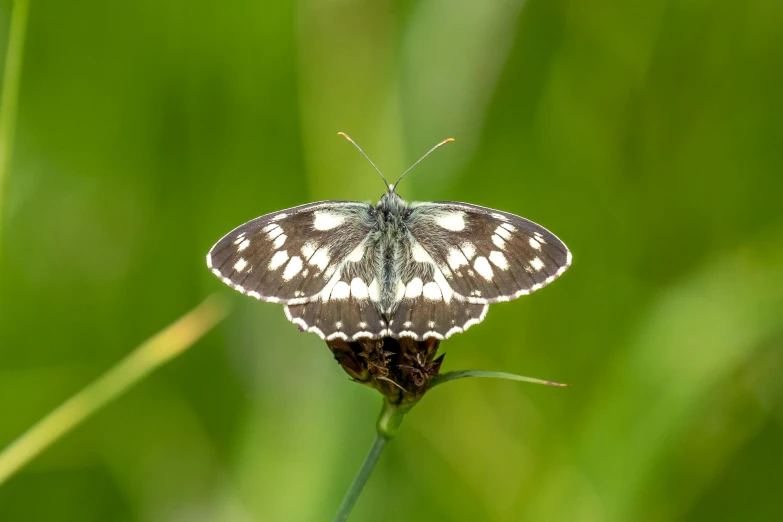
(280, 216)
(420, 255)
(243, 245)
(327, 220)
(498, 241)
(431, 291)
(501, 217)
(274, 231)
(359, 290)
(240, 265)
(327, 290)
(502, 232)
(278, 241)
(482, 267)
(452, 221)
(293, 267)
(456, 259)
(498, 259)
(444, 286)
(356, 254)
(308, 249)
(278, 259)
(320, 258)
(509, 227)
(399, 291)
(537, 264)
(341, 290)
(374, 291)
(535, 244)
(414, 288)
(469, 249)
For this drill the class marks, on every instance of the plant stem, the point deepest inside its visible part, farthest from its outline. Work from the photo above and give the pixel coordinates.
(386, 429)
(10, 93)
(361, 479)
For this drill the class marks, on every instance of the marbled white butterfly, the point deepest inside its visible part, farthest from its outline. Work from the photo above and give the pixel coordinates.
(351, 270)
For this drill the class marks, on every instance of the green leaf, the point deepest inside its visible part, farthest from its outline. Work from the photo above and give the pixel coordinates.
(451, 376)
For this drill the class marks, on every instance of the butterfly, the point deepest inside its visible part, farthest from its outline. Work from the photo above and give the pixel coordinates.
(351, 270)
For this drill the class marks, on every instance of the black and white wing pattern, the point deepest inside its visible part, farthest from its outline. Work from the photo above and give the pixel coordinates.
(317, 259)
(463, 258)
(486, 255)
(349, 270)
(291, 256)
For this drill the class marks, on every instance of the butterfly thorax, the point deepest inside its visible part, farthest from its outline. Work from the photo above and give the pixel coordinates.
(392, 246)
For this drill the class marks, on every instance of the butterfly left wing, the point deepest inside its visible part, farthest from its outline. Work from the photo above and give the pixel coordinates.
(486, 255)
(292, 256)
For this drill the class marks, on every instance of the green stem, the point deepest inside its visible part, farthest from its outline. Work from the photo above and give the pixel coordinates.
(10, 92)
(386, 429)
(360, 480)
(461, 374)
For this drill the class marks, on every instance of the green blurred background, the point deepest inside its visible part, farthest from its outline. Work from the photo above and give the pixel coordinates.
(648, 136)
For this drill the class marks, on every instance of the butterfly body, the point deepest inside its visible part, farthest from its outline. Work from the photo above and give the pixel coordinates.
(350, 270)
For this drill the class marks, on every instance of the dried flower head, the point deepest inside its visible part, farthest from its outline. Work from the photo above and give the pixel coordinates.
(401, 369)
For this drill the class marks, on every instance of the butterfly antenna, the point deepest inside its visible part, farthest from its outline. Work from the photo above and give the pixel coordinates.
(344, 135)
(447, 140)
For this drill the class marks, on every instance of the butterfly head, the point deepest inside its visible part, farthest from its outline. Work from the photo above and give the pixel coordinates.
(391, 203)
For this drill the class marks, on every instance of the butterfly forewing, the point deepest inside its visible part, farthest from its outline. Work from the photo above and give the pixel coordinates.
(294, 255)
(487, 255)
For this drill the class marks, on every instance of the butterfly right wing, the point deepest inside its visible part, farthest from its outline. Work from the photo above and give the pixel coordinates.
(294, 255)
(486, 255)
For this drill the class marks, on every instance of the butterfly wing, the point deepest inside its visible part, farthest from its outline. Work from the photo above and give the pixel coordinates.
(294, 255)
(486, 255)
(463, 258)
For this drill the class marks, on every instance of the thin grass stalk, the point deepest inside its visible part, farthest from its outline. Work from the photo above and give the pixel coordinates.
(150, 355)
(10, 96)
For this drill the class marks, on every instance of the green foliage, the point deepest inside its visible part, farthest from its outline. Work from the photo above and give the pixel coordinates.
(646, 136)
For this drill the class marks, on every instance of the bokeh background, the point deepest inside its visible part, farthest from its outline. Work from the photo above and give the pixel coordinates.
(646, 135)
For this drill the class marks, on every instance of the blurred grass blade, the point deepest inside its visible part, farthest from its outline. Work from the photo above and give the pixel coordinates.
(155, 352)
(451, 376)
(10, 94)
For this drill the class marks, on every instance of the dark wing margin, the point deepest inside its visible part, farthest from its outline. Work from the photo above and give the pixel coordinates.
(291, 256)
(486, 255)
(349, 319)
(426, 316)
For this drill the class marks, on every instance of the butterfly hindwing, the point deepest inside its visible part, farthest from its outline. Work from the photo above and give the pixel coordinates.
(293, 255)
(350, 318)
(486, 255)
(428, 315)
